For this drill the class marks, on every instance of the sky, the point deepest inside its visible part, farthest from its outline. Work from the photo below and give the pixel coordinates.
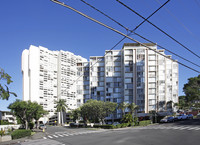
(44, 23)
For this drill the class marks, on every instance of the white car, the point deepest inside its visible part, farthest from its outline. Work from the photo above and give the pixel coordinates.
(184, 117)
(181, 117)
(167, 119)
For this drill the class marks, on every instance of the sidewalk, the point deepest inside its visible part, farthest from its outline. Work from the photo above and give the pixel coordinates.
(38, 135)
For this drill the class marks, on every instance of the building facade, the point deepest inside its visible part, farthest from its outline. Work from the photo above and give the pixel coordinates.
(137, 75)
(133, 74)
(49, 76)
(8, 117)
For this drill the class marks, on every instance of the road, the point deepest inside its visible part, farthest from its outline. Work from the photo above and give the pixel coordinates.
(178, 133)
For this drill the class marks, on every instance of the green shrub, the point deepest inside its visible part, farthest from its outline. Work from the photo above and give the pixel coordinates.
(2, 132)
(106, 126)
(145, 122)
(3, 122)
(20, 133)
(131, 124)
(136, 121)
(118, 126)
(128, 118)
(125, 125)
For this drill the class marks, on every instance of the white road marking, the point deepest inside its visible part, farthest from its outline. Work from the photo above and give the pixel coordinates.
(60, 135)
(50, 136)
(184, 128)
(55, 136)
(44, 138)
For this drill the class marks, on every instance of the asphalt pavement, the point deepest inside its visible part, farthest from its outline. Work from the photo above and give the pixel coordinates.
(177, 133)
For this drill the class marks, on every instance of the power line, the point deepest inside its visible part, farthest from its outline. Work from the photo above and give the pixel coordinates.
(103, 55)
(138, 27)
(120, 23)
(96, 21)
(150, 15)
(179, 22)
(104, 14)
(100, 23)
(167, 50)
(158, 28)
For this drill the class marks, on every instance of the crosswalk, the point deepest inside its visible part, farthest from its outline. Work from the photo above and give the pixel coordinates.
(181, 127)
(155, 127)
(67, 134)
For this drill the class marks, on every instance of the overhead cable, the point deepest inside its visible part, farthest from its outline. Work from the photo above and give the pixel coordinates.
(133, 31)
(100, 23)
(158, 28)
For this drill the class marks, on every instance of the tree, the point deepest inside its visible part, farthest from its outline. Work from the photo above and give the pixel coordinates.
(25, 111)
(183, 103)
(132, 107)
(4, 91)
(75, 114)
(96, 111)
(61, 107)
(122, 106)
(110, 108)
(127, 118)
(39, 112)
(192, 89)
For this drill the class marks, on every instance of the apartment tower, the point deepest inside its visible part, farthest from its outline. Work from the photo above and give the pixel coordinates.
(134, 74)
(49, 76)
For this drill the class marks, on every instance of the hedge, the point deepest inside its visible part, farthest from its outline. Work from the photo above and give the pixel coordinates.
(106, 126)
(2, 122)
(20, 133)
(144, 123)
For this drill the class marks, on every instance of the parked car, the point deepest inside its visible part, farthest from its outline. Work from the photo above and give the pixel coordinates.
(190, 116)
(198, 115)
(73, 124)
(42, 126)
(184, 117)
(167, 119)
(180, 117)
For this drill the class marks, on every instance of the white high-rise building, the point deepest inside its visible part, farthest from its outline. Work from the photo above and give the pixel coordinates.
(133, 74)
(49, 76)
(137, 75)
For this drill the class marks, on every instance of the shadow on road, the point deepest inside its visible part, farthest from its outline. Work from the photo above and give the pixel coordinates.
(187, 122)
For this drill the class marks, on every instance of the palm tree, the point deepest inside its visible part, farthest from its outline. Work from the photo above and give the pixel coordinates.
(61, 107)
(132, 107)
(122, 106)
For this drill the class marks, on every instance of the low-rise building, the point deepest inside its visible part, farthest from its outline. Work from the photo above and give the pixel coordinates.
(8, 117)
